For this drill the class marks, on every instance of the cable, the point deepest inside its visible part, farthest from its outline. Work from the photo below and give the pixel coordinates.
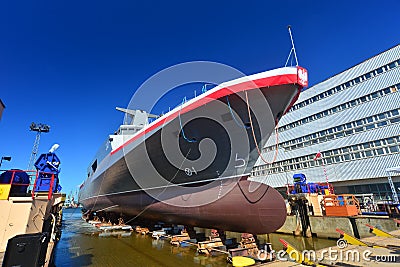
(254, 136)
(180, 123)
(233, 115)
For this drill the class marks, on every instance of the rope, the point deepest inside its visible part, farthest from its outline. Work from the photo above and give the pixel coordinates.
(325, 173)
(255, 139)
(180, 123)
(233, 115)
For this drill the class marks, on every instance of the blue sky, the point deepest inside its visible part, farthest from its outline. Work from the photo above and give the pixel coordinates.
(70, 63)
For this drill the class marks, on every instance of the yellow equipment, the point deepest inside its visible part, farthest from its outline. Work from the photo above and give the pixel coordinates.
(239, 261)
(355, 241)
(379, 232)
(299, 256)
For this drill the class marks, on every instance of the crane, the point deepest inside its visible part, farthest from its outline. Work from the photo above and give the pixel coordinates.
(39, 129)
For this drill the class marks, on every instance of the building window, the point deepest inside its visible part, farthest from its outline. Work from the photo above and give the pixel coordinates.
(382, 123)
(390, 141)
(381, 116)
(394, 112)
(339, 135)
(366, 145)
(370, 126)
(377, 143)
(393, 149)
(369, 153)
(395, 120)
(380, 151)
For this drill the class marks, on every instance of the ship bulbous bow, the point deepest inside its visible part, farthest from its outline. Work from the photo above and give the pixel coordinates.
(249, 207)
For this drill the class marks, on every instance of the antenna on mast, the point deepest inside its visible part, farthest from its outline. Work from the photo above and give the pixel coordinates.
(293, 48)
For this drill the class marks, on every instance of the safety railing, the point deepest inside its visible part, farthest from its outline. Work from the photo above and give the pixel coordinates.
(341, 200)
(24, 182)
(50, 177)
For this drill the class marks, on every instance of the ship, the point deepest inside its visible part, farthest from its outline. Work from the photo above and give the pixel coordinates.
(192, 165)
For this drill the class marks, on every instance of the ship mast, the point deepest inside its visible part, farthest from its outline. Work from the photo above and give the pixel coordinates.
(293, 48)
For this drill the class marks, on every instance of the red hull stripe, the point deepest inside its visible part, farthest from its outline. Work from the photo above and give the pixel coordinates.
(232, 89)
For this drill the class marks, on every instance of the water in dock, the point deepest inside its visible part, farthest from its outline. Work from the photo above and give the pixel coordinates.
(83, 245)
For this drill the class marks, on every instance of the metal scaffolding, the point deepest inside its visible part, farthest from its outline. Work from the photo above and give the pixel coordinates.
(394, 192)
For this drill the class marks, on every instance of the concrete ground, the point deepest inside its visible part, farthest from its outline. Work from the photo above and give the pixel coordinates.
(387, 254)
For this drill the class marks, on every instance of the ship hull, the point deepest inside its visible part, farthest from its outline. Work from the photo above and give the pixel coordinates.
(191, 167)
(229, 205)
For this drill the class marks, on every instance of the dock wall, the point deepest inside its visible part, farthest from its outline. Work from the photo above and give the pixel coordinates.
(326, 226)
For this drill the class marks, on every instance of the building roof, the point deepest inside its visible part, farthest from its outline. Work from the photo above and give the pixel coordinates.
(394, 169)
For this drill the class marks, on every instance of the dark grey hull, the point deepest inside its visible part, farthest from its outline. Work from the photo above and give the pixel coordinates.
(144, 179)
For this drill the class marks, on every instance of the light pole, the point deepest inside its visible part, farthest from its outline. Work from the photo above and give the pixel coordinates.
(38, 128)
(4, 158)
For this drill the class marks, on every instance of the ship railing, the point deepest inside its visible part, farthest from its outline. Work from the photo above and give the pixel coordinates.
(11, 188)
(204, 89)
